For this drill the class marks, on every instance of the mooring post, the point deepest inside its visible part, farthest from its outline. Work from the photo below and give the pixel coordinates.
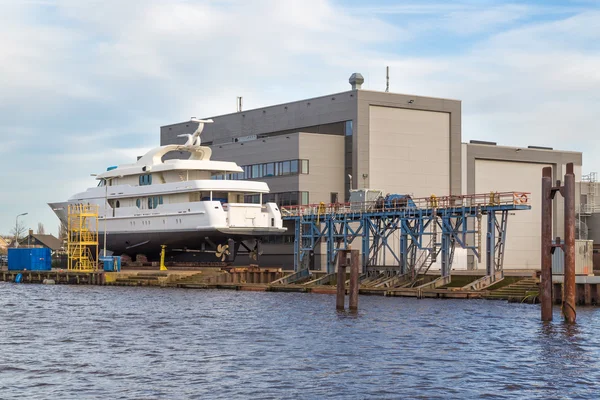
(354, 280)
(341, 280)
(546, 276)
(569, 245)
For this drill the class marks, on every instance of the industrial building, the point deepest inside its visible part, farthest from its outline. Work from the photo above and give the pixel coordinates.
(316, 150)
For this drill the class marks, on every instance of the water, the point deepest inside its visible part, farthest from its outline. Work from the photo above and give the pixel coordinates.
(79, 342)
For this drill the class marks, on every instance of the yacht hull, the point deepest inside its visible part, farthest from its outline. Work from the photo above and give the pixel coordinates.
(182, 246)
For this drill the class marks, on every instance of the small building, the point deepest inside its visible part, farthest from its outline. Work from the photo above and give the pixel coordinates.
(41, 240)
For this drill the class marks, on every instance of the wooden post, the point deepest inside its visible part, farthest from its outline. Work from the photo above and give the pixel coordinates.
(546, 275)
(341, 280)
(354, 280)
(569, 246)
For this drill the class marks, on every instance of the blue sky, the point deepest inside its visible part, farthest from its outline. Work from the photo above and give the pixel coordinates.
(87, 83)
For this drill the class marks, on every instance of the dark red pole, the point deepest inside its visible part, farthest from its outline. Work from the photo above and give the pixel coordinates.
(354, 280)
(546, 276)
(569, 245)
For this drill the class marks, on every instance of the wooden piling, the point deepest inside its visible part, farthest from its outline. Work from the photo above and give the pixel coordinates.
(341, 280)
(546, 275)
(353, 280)
(569, 245)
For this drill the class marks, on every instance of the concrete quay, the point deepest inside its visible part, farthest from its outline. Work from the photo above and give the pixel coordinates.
(516, 286)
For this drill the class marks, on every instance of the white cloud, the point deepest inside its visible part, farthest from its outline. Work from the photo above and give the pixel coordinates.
(87, 84)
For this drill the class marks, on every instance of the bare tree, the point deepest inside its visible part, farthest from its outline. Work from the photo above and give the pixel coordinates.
(62, 232)
(40, 229)
(18, 230)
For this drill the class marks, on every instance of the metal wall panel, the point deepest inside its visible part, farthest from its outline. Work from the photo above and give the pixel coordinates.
(584, 259)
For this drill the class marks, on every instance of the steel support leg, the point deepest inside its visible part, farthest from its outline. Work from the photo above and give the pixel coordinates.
(490, 259)
(403, 252)
(365, 244)
(297, 244)
(445, 247)
(330, 246)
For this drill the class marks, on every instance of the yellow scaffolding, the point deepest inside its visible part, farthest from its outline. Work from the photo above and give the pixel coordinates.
(82, 240)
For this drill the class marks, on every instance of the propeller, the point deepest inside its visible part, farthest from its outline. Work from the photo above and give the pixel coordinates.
(256, 251)
(222, 251)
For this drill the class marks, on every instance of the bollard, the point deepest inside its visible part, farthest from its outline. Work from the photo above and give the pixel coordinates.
(546, 276)
(354, 280)
(569, 245)
(341, 280)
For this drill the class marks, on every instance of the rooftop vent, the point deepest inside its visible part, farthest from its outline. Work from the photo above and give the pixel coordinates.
(356, 80)
(483, 142)
(540, 147)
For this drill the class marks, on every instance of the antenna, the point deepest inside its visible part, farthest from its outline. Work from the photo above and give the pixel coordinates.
(387, 79)
(239, 103)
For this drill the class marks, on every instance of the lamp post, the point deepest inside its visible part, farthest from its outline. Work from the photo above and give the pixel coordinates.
(17, 229)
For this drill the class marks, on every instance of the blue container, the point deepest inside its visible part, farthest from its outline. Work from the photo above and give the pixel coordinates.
(25, 259)
(111, 264)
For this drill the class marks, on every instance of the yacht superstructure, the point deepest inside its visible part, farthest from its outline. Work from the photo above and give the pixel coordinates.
(178, 203)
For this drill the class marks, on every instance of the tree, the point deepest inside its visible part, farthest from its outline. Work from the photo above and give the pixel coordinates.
(41, 230)
(18, 230)
(62, 232)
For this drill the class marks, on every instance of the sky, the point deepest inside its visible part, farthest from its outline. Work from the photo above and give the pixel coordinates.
(86, 84)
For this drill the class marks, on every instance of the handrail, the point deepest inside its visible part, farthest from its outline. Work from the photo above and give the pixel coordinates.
(441, 202)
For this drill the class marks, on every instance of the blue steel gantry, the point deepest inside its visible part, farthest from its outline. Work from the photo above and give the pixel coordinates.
(407, 236)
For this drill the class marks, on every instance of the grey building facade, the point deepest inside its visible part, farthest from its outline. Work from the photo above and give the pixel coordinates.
(315, 150)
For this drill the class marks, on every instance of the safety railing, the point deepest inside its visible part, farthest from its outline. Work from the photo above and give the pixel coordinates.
(431, 202)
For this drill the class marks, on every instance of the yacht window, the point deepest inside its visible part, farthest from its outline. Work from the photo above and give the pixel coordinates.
(150, 203)
(138, 203)
(220, 196)
(252, 198)
(160, 200)
(118, 204)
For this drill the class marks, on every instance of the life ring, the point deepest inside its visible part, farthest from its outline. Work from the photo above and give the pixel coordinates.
(523, 199)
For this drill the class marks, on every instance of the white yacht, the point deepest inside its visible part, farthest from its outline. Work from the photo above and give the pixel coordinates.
(179, 203)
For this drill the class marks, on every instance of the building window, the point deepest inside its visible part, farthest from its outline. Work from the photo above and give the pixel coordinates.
(304, 198)
(287, 198)
(270, 171)
(348, 128)
(304, 167)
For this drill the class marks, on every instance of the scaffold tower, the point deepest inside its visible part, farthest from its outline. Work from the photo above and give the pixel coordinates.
(82, 240)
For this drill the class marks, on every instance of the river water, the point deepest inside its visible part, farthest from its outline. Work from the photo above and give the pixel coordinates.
(80, 342)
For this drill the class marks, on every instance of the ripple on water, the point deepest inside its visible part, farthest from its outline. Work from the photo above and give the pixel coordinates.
(74, 342)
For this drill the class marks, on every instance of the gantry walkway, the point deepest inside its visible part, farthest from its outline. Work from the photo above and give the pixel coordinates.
(407, 236)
